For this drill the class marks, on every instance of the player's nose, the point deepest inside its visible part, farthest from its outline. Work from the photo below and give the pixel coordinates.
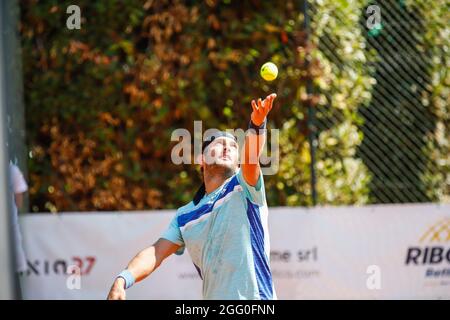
(226, 149)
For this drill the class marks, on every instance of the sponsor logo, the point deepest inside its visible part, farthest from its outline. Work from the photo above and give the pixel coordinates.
(297, 264)
(433, 251)
(43, 267)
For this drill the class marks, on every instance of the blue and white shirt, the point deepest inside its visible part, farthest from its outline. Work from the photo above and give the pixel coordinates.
(226, 235)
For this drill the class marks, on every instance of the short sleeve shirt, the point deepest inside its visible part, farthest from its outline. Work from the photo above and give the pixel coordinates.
(226, 235)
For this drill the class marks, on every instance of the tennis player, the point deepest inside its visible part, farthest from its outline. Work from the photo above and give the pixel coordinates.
(224, 228)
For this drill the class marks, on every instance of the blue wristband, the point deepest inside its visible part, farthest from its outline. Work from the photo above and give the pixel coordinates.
(128, 277)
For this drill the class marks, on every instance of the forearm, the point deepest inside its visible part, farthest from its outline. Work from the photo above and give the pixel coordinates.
(147, 260)
(141, 266)
(144, 263)
(255, 139)
(254, 145)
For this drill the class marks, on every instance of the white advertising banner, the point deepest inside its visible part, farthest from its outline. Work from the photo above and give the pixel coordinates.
(372, 252)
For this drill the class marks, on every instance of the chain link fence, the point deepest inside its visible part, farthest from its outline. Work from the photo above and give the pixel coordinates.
(402, 124)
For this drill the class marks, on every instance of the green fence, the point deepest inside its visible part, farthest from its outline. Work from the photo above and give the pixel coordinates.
(403, 124)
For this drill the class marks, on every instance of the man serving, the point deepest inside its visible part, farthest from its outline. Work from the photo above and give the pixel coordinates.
(224, 228)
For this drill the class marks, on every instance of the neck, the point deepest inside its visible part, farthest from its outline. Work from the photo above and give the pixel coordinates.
(215, 178)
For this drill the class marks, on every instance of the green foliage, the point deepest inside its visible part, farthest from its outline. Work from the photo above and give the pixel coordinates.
(341, 83)
(436, 15)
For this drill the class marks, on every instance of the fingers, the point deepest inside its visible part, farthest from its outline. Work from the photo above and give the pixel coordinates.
(264, 106)
(272, 98)
(260, 105)
(268, 102)
(255, 108)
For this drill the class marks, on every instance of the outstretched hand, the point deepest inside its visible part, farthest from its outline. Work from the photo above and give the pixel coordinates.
(262, 108)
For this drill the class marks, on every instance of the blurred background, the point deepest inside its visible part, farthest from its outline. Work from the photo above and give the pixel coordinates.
(362, 108)
(101, 102)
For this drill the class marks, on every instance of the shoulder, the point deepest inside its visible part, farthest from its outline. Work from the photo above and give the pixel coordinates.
(186, 208)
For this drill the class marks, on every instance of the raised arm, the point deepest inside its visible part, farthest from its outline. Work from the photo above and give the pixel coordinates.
(254, 140)
(142, 265)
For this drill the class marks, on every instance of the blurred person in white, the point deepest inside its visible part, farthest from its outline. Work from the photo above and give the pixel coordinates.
(19, 187)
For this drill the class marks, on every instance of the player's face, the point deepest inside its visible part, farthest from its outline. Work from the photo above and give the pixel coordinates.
(222, 151)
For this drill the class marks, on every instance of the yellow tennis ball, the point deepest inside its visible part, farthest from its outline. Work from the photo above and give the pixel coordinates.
(269, 71)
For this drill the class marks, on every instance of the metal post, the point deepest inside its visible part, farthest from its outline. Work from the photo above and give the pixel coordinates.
(14, 90)
(8, 279)
(311, 111)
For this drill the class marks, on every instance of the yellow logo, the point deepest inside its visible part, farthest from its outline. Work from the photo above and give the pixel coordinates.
(438, 233)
